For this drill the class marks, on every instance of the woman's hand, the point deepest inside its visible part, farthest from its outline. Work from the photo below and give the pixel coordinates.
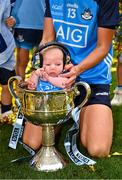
(71, 75)
(10, 21)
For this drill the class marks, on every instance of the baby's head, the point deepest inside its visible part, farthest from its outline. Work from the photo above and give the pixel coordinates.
(53, 61)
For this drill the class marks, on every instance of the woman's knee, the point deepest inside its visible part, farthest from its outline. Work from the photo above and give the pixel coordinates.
(98, 150)
(32, 135)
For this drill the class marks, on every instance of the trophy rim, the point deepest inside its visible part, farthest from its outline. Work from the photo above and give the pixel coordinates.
(23, 86)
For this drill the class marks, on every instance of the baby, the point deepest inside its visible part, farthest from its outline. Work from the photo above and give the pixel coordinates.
(48, 77)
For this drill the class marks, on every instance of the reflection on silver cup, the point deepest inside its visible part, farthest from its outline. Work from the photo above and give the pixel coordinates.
(48, 109)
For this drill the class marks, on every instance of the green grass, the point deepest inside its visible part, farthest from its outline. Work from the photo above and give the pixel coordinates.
(105, 168)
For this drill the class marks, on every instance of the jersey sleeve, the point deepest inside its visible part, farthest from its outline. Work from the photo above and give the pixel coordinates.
(108, 13)
(47, 10)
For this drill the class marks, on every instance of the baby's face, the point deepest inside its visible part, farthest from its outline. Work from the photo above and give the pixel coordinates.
(53, 62)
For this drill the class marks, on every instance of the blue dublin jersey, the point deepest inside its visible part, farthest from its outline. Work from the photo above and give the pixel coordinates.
(76, 23)
(46, 86)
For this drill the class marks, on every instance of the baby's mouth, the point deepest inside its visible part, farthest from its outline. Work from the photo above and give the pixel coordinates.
(52, 74)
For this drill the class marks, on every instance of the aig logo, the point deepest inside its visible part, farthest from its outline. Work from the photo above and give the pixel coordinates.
(71, 34)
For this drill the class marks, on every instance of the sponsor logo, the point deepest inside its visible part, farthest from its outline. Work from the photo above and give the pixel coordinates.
(74, 33)
(102, 94)
(15, 134)
(57, 7)
(69, 5)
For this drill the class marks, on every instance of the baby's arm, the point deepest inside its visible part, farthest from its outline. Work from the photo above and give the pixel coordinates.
(57, 81)
(34, 78)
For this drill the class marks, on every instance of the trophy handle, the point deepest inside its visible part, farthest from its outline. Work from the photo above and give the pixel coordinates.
(88, 92)
(10, 86)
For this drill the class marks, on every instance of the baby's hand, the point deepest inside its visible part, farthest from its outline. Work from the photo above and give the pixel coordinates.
(10, 21)
(45, 76)
(33, 81)
(31, 86)
(39, 72)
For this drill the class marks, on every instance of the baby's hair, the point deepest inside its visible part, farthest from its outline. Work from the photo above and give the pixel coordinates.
(50, 47)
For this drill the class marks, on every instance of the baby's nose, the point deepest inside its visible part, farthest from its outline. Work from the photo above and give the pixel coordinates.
(53, 66)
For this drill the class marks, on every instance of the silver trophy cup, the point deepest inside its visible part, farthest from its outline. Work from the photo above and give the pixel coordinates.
(49, 110)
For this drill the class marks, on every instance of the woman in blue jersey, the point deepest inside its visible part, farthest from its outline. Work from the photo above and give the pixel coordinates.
(86, 28)
(29, 17)
(7, 60)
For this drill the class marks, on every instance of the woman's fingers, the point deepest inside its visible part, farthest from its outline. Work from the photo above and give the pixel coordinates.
(71, 75)
(68, 66)
(10, 21)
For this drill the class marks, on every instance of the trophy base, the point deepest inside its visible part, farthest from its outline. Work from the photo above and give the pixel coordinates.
(48, 159)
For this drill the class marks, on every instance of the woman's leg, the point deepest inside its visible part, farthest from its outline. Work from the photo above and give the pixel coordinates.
(32, 135)
(6, 99)
(96, 129)
(22, 61)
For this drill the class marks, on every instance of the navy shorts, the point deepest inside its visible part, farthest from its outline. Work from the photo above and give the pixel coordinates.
(100, 94)
(27, 38)
(5, 74)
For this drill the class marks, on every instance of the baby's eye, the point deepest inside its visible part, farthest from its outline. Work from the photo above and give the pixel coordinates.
(58, 64)
(47, 64)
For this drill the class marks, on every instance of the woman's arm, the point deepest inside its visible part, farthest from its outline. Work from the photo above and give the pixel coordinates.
(10, 21)
(48, 31)
(104, 40)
